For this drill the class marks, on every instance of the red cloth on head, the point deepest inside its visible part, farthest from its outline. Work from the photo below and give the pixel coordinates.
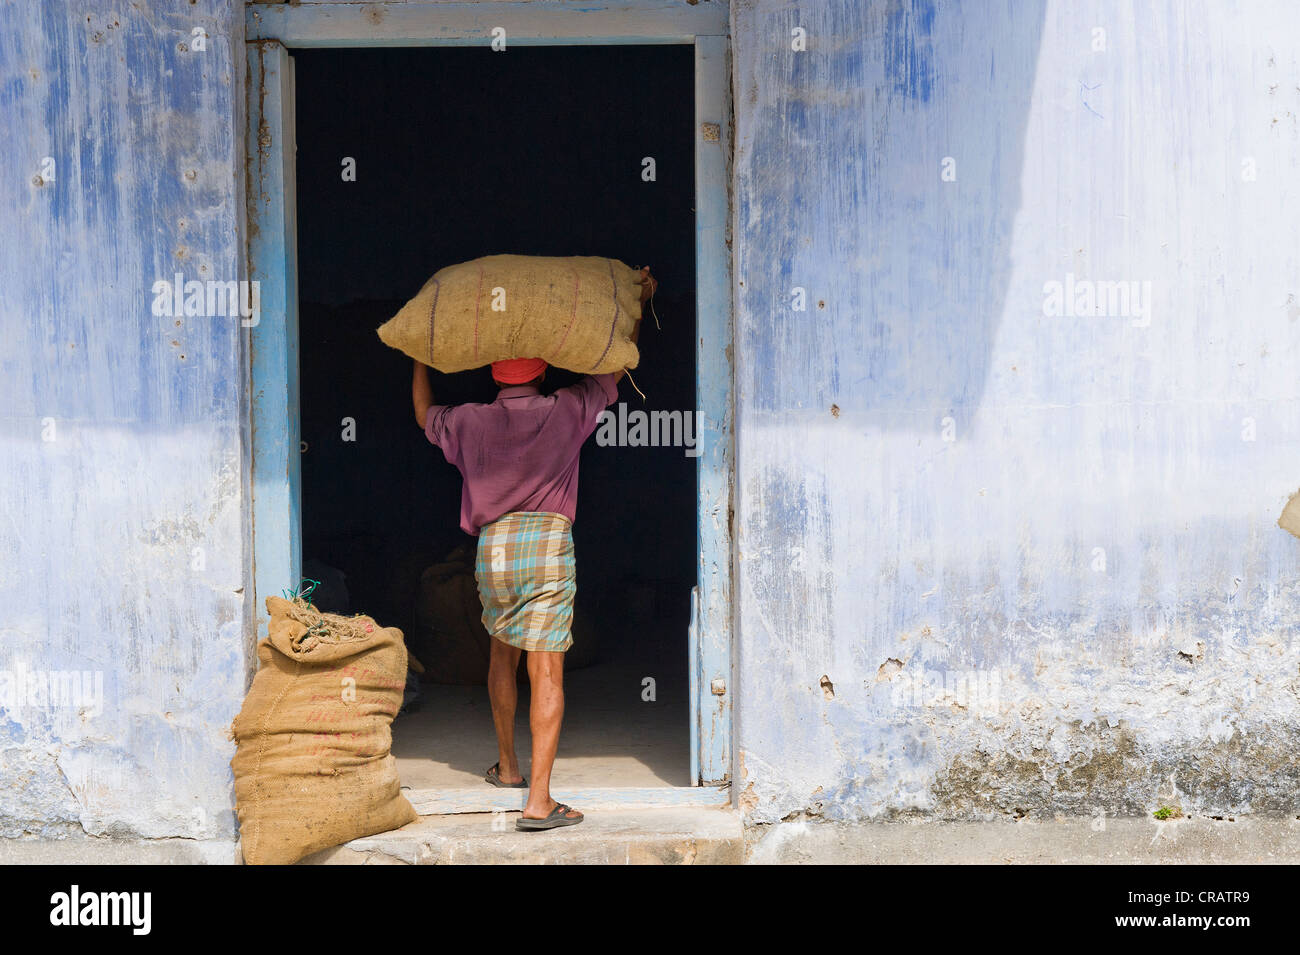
(515, 371)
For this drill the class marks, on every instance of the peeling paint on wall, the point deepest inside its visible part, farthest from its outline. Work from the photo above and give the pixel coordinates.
(1036, 552)
(1027, 564)
(123, 526)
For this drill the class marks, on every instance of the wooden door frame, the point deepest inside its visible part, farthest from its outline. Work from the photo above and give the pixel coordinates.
(272, 30)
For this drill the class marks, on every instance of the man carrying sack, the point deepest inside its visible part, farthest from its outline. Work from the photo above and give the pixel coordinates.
(519, 460)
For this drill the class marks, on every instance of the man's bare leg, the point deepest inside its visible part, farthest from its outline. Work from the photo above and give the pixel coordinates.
(546, 677)
(503, 691)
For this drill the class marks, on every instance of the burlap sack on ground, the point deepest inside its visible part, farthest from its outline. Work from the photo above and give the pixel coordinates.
(576, 312)
(312, 764)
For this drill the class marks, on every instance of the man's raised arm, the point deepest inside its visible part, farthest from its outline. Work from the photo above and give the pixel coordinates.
(421, 393)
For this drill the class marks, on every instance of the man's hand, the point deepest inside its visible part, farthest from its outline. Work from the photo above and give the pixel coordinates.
(421, 393)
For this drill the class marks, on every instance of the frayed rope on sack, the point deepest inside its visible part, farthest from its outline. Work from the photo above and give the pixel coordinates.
(651, 302)
(628, 372)
(323, 627)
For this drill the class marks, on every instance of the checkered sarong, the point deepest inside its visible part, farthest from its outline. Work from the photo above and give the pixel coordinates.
(527, 579)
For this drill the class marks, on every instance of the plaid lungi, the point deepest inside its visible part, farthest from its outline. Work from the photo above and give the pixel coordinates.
(527, 579)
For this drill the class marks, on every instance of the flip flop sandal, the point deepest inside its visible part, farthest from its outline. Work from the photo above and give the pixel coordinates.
(493, 776)
(555, 820)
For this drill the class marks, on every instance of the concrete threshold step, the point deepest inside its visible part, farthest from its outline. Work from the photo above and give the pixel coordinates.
(679, 836)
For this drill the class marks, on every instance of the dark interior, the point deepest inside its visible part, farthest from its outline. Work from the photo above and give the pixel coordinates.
(460, 153)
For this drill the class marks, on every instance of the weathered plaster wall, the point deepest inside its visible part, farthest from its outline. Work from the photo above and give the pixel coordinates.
(122, 524)
(884, 547)
(872, 549)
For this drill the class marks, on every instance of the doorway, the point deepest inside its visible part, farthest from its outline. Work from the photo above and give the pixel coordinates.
(412, 159)
(278, 454)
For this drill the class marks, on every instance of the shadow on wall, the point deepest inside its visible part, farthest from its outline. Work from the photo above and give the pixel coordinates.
(896, 161)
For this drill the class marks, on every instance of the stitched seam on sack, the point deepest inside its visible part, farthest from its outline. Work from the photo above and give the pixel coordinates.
(613, 325)
(577, 281)
(437, 287)
(478, 305)
(257, 768)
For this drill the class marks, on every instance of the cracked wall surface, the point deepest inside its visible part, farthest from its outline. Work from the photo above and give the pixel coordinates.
(1033, 550)
(122, 528)
(991, 562)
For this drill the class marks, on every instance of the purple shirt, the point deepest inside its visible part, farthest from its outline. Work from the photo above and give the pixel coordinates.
(520, 453)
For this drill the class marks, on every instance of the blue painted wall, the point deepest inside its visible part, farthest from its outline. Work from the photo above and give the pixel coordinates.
(1070, 520)
(123, 539)
(1033, 556)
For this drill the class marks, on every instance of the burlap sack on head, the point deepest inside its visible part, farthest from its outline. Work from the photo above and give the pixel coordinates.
(576, 312)
(312, 763)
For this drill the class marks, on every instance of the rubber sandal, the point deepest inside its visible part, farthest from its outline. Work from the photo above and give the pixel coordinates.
(493, 776)
(555, 820)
